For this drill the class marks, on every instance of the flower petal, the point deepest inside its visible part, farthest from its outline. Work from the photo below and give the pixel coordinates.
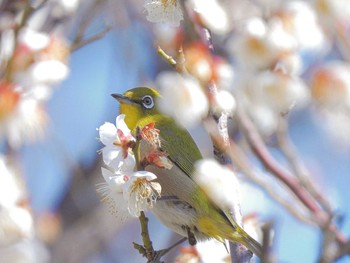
(108, 133)
(121, 125)
(112, 154)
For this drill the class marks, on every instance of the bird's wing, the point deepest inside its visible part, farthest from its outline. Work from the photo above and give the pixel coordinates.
(179, 145)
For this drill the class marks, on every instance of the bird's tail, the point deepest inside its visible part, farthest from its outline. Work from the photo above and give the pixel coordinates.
(240, 236)
(250, 243)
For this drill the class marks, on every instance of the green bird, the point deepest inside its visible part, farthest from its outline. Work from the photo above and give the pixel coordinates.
(184, 207)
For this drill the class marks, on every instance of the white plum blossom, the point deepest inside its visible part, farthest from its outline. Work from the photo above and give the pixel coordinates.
(112, 193)
(213, 15)
(224, 102)
(213, 251)
(15, 223)
(300, 20)
(11, 191)
(17, 232)
(182, 98)
(34, 40)
(26, 123)
(330, 85)
(269, 94)
(46, 72)
(128, 193)
(164, 11)
(259, 44)
(116, 139)
(281, 92)
(141, 192)
(219, 183)
(333, 11)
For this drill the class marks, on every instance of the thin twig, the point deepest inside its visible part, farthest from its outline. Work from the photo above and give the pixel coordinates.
(259, 148)
(83, 42)
(169, 59)
(343, 41)
(299, 169)
(147, 242)
(267, 256)
(25, 16)
(261, 151)
(88, 17)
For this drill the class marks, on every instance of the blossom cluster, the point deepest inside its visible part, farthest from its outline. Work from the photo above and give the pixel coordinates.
(127, 191)
(272, 60)
(255, 61)
(18, 242)
(33, 59)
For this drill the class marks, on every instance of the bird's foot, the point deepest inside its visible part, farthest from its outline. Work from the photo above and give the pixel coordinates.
(191, 238)
(155, 256)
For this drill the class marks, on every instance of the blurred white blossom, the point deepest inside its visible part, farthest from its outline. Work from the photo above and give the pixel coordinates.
(34, 40)
(259, 44)
(213, 251)
(11, 189)
(269, 94)
(281, 92)
(300, 20)
(330, 85)
(182, 98)
(212, 15)
(163, 11)
(219, 183)
(333, 11)
(224, 102)
(17, 233)
(25, 123)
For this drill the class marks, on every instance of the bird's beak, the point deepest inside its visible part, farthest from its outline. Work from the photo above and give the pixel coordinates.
(122, 99)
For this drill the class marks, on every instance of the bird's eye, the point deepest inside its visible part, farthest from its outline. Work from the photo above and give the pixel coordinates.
(147, 102)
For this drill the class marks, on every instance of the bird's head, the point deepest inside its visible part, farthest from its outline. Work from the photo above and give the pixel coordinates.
(137, 103)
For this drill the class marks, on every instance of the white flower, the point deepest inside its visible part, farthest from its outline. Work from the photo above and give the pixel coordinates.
(164, 11)
(34, 40)
(25, 124)
(69, 6)
(15, 223)
(224, 102)
(212, 251)
(182, 98)
(290, 64)
(116, 139)
(330, 85)
(212, 15)
(281, 92)
(140, 192)
(260, 43)
(128, 193)
(112, 193)
(219, 183)
(337, 126)
(333, 11)
(47, 72)
(10, 190)
(265, 119)
(300, 20)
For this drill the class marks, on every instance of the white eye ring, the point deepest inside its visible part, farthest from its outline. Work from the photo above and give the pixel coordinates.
(147, 102)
